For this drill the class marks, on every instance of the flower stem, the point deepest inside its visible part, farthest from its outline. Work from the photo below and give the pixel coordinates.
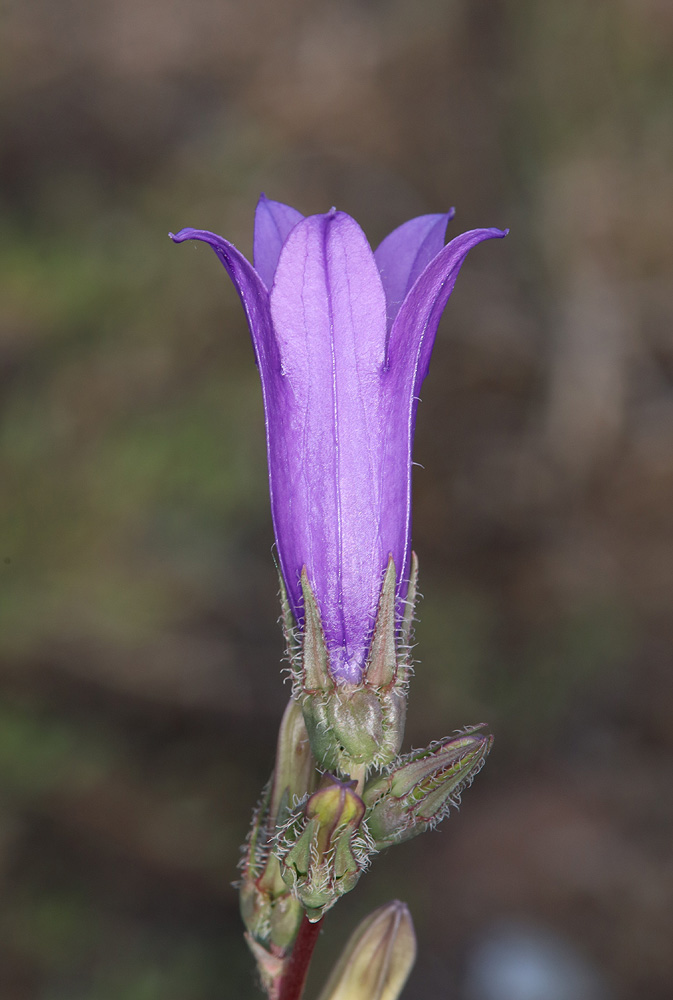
(292, 985)
(358, 774)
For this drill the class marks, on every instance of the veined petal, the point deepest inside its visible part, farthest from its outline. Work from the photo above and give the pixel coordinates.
(406, 252)
(329, 419)
(273, 223)
(252, 293)
(409, 348)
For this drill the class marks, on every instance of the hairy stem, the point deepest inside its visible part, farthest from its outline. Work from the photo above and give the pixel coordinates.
(292, 985)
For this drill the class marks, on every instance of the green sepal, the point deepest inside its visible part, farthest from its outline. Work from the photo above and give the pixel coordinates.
(355, 726)
(406, 629)
(316, 677)
(290, 630)
(382, 661)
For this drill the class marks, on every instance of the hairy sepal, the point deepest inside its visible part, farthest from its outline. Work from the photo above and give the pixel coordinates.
(355, 726)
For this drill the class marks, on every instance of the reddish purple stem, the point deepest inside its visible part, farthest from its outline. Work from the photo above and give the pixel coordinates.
(294, 979)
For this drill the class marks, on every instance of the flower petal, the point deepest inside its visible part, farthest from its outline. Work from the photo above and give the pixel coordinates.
(413, 333)
(255, 299)
(405, 252)
(273, 224)
(409, 348)
(252, 293)
(328, 420)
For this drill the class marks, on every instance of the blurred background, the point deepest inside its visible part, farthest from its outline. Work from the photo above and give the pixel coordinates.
(139, 682)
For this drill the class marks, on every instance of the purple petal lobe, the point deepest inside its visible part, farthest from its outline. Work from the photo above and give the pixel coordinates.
(405, 253)
(327, 428)
(413, 333)
(252, 293)
(410, 345)
(273, 223)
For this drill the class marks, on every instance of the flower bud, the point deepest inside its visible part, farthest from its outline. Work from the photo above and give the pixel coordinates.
(321, 851)
(355, 725)
(271, 912)
(417, 791)
(378, 958)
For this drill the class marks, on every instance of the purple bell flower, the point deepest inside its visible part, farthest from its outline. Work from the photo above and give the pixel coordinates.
(343, 338)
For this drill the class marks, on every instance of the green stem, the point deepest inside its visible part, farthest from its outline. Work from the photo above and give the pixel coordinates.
(292, 985)
(358, 774)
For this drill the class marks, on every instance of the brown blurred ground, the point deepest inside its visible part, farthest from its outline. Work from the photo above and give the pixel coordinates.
(139, 683)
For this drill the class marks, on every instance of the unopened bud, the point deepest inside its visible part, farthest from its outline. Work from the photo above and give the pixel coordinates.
(271, 912)
(355, 726)
(294, 773)
(417, 792)
(322, 852)
(378, 958)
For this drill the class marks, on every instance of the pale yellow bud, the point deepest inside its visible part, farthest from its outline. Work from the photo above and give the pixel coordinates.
(376, 962)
